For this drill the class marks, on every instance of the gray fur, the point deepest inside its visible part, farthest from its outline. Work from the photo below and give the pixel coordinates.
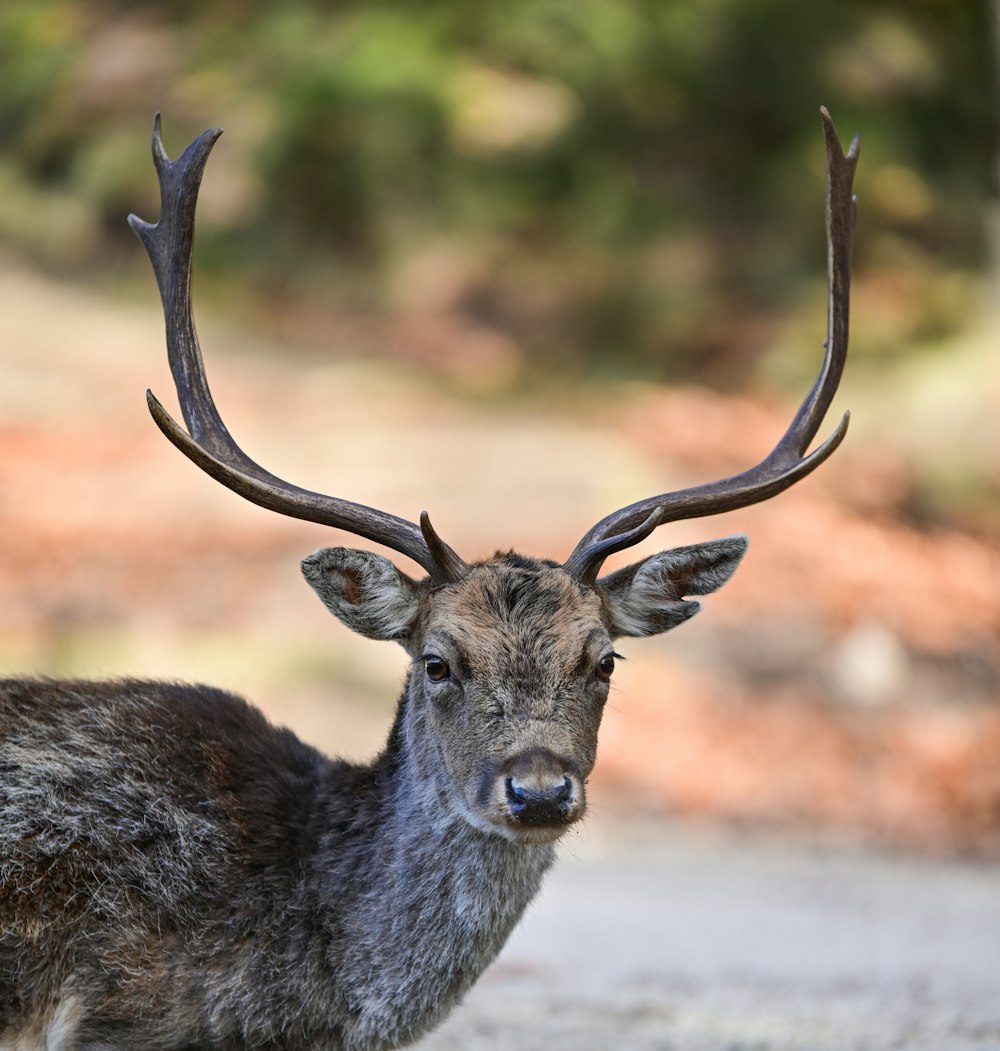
(176, 873)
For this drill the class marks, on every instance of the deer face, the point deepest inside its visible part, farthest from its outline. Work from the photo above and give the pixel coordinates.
(511, 677)
(512, 667)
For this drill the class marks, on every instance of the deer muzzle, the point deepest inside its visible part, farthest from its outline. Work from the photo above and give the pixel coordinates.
(540, 790)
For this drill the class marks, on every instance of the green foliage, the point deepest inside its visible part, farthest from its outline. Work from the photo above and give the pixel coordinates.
(606, 184)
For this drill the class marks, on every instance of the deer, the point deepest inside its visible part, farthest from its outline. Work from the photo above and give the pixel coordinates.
(176, 873)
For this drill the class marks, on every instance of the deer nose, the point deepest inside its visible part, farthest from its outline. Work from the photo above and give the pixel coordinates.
(540, 804)
(540, 788)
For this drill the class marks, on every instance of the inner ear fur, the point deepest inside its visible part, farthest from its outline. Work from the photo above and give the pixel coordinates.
(364, 591)
(648, 597)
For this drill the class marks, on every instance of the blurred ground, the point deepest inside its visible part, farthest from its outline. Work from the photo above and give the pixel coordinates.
(847, 679)
(650, 937)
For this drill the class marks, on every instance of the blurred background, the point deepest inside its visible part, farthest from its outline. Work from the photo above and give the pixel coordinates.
(520, 264)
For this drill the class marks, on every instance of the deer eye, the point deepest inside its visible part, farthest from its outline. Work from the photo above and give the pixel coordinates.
(436, 668)
(605, 667)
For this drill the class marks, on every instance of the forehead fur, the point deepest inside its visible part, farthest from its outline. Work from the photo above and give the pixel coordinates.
(513, 603)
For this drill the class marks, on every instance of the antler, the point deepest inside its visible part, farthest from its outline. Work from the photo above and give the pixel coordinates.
(169, 243)
(787, 462)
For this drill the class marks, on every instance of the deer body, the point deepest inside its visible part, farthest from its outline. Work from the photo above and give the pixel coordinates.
(218, 892)
(177, 874)
(202, 879)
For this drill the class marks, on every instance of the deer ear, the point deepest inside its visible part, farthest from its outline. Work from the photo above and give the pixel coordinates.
(364, 590)
(647, 597)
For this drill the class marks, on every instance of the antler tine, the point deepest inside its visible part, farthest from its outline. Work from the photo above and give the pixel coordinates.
(787, 462)
(169, 243)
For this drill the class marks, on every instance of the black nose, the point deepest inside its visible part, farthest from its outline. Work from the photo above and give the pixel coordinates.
(540, 805)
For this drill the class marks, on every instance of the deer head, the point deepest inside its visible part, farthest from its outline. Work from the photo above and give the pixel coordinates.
(512, 656)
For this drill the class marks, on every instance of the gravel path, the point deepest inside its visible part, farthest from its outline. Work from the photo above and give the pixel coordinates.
(668, 940)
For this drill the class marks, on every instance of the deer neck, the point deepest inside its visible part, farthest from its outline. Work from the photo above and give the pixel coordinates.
(439, 899)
